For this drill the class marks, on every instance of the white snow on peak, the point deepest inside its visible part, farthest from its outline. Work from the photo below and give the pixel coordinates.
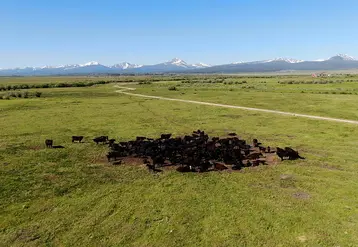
(240, 62)
(177, 61)
(125, 65)
(281, 59)
(68, 66)
(201, 65)
(93, 63)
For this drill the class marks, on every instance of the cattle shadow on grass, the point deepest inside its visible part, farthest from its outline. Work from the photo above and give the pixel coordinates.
(58, 147)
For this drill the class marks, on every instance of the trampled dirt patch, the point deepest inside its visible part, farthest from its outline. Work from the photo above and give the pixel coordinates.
(301, 195)
(36, 148)
(329, 167)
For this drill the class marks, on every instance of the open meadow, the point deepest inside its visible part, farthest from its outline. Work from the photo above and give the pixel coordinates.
(74, 197)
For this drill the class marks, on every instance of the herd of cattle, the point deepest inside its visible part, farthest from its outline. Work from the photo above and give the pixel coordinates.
(192, 153)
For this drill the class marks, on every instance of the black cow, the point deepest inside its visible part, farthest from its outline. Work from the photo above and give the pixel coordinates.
(49, 143)
(111, 142)
(77, 138)
(281, 153)
(165, 136)
(292, 154)
(220, 167)
(140, 138)
(102, 139)
(114, 155)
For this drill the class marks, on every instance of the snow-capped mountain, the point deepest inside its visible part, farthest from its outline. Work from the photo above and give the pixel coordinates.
(337, 62)
(177, 62)
(125, 65)
(176, 65)
(343, 57)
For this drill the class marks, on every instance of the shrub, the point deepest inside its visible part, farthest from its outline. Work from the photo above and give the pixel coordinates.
(38, 94)
(172, 88)
(19, 95)
(24, 86)
(62, 84)
(12, 94)
(6, 97)
(26, 95)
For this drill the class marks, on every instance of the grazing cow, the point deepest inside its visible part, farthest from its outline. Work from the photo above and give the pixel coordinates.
(111, 142)
(238, 165)
(165, 136)
(219, 167)
(77, 138)
(49, 143)
(215, 139)
(256, 143)
(248, 163)
(281, 153)
(258, 162)
(183, 169)
(158, 160)
(150, 167)
(262, 149)
(113, 155)
(140, 138)
(102, 139)
(292, 154)
(254, 156)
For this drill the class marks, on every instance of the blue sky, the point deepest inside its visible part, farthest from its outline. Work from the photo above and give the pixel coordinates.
(39, 32)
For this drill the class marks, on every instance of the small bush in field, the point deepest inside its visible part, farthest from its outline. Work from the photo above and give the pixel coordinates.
(12, 94)
(38, 94)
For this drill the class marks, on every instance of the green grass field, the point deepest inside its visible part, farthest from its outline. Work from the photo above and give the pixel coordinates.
(73, 197)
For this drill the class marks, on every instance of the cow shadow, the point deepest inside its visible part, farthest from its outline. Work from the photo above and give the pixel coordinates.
(58, 147)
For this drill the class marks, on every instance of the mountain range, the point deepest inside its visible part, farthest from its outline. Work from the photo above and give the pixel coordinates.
(176, 65)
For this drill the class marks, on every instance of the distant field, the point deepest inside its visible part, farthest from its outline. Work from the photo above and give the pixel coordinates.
(73, 197)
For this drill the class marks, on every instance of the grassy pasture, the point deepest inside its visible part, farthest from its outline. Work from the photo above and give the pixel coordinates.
(72, 197)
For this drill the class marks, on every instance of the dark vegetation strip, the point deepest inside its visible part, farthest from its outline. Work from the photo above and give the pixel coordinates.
(24, 95)
(78, 84)
(55, 85)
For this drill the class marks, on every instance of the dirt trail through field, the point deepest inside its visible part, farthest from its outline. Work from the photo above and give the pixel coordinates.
(124, 90)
